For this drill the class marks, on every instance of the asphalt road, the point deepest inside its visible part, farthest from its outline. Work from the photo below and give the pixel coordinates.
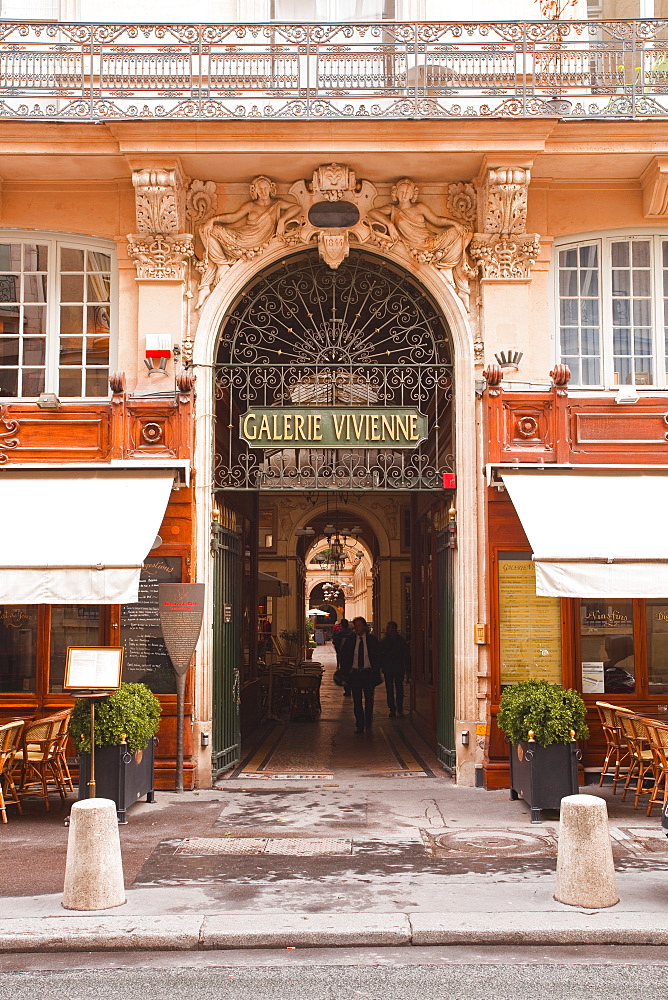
(406, 974)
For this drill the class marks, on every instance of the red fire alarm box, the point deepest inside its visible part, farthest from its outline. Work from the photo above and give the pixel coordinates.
(449, 481)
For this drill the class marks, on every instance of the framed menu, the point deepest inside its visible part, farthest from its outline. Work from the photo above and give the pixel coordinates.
(529, 626)
(93, 668)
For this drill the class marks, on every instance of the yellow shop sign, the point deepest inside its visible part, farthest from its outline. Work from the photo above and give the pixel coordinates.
(333, 427)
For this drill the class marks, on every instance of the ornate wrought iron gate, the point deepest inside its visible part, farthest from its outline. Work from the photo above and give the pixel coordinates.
(226, 550)
(365, 337)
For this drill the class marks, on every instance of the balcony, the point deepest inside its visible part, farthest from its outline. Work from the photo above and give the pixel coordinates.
(51, 71)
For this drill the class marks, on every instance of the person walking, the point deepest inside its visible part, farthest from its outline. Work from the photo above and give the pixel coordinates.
(394, 660)
(360, 663)
(338, 638)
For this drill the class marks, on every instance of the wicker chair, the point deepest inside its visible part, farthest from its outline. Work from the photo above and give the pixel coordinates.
(640, 754)
(305, 697)
(616, 747)
(41, 757)
(10, 741)
(658, 743)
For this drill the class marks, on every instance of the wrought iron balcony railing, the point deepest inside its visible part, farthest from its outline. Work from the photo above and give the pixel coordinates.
(425, 70)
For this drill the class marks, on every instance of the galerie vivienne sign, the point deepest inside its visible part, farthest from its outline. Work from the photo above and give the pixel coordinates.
(335, 427)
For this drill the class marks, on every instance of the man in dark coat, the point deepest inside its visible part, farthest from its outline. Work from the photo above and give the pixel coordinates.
(394, 659)
(360, 663)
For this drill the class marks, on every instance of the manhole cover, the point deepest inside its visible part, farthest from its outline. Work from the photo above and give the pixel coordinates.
(483, 843)
(301, 847)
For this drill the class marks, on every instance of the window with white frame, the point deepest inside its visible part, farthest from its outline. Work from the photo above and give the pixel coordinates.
(56, 323)
(613, 310)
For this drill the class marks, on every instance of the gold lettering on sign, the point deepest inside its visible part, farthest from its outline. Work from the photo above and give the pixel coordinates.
(248, 420)
(299, 427)
(338, 422)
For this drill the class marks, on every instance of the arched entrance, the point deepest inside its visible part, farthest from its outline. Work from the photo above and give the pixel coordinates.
(336, 383)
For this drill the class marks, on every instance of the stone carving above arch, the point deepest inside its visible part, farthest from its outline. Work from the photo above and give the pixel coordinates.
(335, 209)
(160, 248)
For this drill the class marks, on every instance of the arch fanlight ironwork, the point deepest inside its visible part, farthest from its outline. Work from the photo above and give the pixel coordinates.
(362, 344)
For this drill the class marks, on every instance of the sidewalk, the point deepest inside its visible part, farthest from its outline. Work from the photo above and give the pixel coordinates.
(320, 838)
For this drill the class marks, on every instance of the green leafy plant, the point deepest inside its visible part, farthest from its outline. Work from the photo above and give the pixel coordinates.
(289, 635)
(548, 709)
(132, 714)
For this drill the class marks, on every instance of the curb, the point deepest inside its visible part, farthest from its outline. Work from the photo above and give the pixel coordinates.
(327, 930)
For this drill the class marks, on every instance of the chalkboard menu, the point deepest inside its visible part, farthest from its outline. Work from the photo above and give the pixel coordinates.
(146, 660)
(529, 626)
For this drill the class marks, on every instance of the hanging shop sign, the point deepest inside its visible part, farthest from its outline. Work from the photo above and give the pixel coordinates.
(335, 427)
(181, 607)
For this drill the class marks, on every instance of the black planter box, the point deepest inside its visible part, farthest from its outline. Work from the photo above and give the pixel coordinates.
(120, 775)
(542, 776)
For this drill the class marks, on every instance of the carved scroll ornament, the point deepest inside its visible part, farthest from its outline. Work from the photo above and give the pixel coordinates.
(161, 257)
(8, 428)
(505, 257)
(159, 201)
(503, 249)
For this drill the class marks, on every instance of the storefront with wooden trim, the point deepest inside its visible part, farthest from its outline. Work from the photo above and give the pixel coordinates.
(608, 648)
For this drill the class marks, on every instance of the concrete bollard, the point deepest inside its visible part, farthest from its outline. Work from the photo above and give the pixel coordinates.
(94, 869)
(585, 870)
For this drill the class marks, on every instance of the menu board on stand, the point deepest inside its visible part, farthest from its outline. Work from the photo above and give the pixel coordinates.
(146, 658)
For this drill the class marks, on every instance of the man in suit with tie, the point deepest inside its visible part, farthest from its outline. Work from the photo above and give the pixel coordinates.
(360, 664)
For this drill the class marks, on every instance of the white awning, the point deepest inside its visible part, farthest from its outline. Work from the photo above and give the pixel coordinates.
(78, 536)
(595, 534)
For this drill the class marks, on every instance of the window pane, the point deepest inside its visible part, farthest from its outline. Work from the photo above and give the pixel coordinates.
(98, 261)
(656, 624)
(591, 371)
(71, 288)
(569, 312)
(640, 253)
(9, 319)
(34, 319)
(71, 350)
(34, 351)
(621, 282)
(643, 342)
(589, 281)
(9, 350)
(641, 312)
(10, 257)
(622, 340)
(34, 288)
(574, 365)
(71, 320)
(18, 647)
(99, 287)
(32, 381)
(71, 625)
(620, 254)
(590, 340)
(97, 382)
(69, 383)
(97, 350)
(569, 340)
(71, 259)
(589, 255)
(568, 282)
(589, 308)
(607, 653)
(35, 257)
(621, 312)
(9, 382)
(98, 320)
(568, 258)
(641, 283)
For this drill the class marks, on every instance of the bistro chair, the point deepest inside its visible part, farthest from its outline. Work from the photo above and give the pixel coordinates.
(616, 747)
(10, 741)
(305, 697)
(40, 758)
(658, 743)
(641, 757)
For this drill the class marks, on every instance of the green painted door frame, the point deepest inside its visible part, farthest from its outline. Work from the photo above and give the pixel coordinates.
(227, 593)
(446, 651)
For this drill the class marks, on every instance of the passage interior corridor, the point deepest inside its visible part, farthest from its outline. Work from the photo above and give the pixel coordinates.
(328, 745)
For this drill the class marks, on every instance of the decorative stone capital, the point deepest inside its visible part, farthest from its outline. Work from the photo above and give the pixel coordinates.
(505, 256)
(160, 200)
(502, 204)
(160, 256)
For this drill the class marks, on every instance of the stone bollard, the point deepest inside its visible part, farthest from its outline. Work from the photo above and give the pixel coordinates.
(94, 870)
(585, 871)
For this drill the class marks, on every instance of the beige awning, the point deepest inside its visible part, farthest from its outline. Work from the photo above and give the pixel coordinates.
(595, 534)
(271, 586)
(78, 536)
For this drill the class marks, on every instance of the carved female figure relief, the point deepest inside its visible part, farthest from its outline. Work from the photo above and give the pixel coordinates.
(431, 238)
(242, 234)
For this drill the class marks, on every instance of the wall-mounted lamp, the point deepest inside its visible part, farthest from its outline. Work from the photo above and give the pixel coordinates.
(627, 394)
(48, 401)
(158, 350)
(465, 737)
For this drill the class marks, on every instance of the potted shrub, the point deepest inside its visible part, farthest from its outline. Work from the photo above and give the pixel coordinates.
(125, 726)
(542, 722)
